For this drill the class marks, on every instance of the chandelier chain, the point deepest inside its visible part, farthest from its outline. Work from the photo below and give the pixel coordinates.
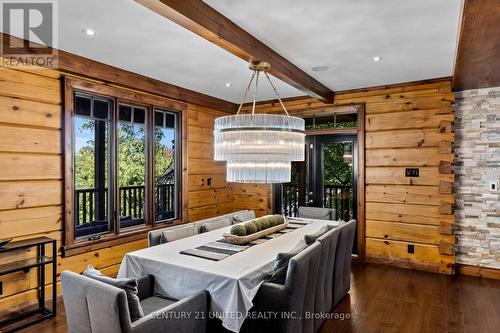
(255, 92)
(277, 95)
(246, 92)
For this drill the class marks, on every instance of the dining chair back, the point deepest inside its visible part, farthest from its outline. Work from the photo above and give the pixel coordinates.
(323, 303)
(343, 260)
(317, 213)
(296, 296)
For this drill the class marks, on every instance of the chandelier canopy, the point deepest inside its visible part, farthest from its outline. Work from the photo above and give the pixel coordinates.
(259, 148)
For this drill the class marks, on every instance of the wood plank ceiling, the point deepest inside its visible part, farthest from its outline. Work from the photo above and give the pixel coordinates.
(478, 56)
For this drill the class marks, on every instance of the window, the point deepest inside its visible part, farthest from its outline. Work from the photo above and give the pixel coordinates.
(331, 121)
(165, 165)
(125, 153)
(131, 165)
(92, 122)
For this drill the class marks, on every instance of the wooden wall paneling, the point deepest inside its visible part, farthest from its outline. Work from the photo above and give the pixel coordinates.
(201, 167)
(30, 86)
(204, 212)
(402, 194)
(210, 197)
(408, 157)
(435, 102)
(17, 111)
(409, 139)
(419, 214)
(478, 271)
(407, 232)
(201, 150)
(425, 256)
(445, 228)
(396, 176)
(30, 140)
(201, 134)
(29, 221)
(25, 194)
(407, 120)
(18, 166)
(206, 182)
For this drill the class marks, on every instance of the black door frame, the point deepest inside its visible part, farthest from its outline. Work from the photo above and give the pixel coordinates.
(316, 172)
(360, 146)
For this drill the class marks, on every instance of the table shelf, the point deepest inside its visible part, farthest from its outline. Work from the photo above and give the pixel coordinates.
(24, 265)
(38, 262)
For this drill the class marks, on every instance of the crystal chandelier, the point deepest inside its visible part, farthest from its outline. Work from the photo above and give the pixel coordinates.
(259, 148)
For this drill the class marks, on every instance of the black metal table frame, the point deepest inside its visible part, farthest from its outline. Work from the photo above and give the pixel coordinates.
(25, 265)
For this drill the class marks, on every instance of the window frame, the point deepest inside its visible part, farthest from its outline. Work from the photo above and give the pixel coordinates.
(119, 96)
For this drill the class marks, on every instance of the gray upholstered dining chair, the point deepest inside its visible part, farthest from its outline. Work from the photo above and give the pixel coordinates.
(317, 213)
(97, 307)
(323, 303)
(182, 231)
(343, 259)
(296, 296)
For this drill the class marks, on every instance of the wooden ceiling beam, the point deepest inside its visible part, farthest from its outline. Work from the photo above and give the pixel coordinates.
(478, 57)
(203, 20)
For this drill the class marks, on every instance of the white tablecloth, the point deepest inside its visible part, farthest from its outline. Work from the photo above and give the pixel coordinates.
(232, 282)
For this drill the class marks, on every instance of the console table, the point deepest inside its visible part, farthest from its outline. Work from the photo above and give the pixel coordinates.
(39, 262)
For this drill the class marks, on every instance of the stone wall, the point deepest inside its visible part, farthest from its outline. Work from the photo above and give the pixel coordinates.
(477, 147)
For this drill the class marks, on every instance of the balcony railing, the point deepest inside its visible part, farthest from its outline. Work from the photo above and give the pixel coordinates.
(337, 197)
(92, 217)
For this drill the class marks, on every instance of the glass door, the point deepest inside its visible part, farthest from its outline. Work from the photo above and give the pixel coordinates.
(332, 170)
(327, 178)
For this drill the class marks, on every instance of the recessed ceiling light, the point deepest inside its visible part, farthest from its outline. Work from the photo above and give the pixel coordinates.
(377, 58)
(88, 32)
(319, 68)
(228, 84)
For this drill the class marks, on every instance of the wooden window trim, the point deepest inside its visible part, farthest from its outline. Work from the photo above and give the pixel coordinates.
(118, 94)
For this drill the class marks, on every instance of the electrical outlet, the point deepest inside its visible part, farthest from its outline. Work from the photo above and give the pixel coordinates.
(412, 172)
(411, 248)
(494, 186)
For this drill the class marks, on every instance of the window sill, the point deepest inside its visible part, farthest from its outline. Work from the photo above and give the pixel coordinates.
(109, 240)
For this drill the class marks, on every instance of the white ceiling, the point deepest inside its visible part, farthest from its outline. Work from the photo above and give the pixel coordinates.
(417, 40)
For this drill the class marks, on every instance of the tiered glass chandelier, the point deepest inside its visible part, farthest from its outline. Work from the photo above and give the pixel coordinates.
(259, 148)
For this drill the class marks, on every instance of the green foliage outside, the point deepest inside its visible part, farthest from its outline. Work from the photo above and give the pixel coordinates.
(131, 156)
(336, 171)
(332, 125)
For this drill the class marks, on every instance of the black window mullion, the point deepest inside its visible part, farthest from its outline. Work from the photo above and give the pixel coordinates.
(115, 174)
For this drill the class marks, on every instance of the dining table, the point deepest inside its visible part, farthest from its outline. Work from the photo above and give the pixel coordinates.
(231, 282)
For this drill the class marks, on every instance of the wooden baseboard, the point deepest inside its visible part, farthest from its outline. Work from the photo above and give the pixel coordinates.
(485, 272)
(432, 267)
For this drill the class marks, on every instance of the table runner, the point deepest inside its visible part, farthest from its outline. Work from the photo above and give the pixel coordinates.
(221, 249)
(232, 283)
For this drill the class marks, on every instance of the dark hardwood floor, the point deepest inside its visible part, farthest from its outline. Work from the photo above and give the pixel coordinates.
(388, 299)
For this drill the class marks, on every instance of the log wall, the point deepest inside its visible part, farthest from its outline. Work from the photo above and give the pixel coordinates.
(406, 126)
(31, 189)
